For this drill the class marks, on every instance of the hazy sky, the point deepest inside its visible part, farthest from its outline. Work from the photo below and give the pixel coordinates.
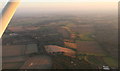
(38, 7)
(65, 0)
(5, 1)
(71, 0)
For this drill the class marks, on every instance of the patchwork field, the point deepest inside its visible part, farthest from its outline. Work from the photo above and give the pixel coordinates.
(89, 42)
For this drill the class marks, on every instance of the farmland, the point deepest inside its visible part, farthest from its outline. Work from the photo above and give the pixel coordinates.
(93, 39)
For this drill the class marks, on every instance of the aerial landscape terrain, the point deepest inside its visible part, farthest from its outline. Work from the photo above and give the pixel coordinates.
(61, 41)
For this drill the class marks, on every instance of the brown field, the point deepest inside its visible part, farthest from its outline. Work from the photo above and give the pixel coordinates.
(71, 45)
(37, 62)
(14, 59)
(89, 47)
(54, 48)
(12, 56)
(13, 50)
(15, 65)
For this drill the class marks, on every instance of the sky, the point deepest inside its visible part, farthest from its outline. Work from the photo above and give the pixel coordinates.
(74, 0)
(33, 6)
(5, 1)
(65, 0)
(36, 7)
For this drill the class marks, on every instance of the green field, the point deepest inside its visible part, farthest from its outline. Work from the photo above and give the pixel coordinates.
(110, 61)
(86, 37)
